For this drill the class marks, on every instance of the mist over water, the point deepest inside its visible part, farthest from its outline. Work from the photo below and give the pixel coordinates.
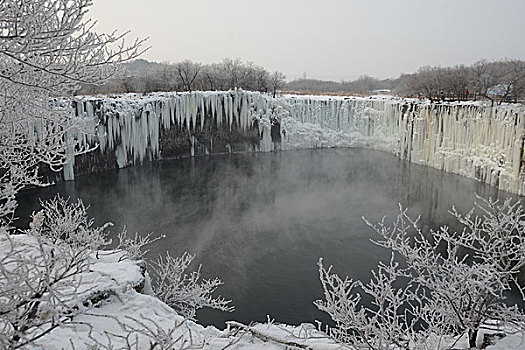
(261, 221)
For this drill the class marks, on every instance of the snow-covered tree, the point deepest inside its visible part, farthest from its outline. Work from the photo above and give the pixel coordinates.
(47, 49)
(439, 284)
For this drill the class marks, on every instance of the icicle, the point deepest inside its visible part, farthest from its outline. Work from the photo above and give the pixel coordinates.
(202, 111)
(472, 140)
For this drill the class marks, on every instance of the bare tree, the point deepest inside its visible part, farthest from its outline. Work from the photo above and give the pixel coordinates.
(168, 77)
(186, 75)
(406, 85)
(188, 72)
(261, 79)
(364, 84)
(513, 79)
(457, 81)
(430, 82)
(126, 81)
(232, 69)
(483, 77)
(276, 81)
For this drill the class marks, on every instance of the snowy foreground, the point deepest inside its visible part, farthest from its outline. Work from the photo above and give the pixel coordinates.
(468, 138)
(117, 311)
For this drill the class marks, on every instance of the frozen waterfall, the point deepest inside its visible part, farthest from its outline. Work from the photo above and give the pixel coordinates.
(484, 143)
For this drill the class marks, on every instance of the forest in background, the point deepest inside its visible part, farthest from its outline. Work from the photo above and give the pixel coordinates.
(498, 81)
(142, 76)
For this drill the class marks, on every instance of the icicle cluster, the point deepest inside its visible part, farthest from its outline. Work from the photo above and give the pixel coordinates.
(485, 143)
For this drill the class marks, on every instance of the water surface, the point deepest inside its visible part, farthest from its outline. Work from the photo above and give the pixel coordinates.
(260, 222)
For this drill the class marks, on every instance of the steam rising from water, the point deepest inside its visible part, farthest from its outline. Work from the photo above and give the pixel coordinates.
(261, 221)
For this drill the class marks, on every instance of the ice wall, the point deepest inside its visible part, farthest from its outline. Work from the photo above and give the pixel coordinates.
(485, 143)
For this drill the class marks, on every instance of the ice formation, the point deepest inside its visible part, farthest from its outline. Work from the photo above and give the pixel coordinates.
(484, 143)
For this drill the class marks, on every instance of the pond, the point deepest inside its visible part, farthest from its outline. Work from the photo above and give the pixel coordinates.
(261, 221)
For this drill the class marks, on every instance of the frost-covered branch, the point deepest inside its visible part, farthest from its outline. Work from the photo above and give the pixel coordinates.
(64, 222)
(143, 333)
(133, 246)
(380, 325)
(452, 285)
(46, 49)
(41, 282)
(185, 291)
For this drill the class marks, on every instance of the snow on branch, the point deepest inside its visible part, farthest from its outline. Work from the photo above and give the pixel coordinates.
(183, 291)
(46, 49)
(133, 246)
(61, 221)
(47, 44)
(451, 285)
(41, 272)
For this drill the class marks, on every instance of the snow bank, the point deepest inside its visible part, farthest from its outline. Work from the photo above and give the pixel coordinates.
(126, 319)
(139, 319)
(112, 314)
(480, 142)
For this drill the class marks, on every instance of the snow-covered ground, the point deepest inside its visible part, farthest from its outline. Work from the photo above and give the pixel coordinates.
(126, 316)
(117, 311)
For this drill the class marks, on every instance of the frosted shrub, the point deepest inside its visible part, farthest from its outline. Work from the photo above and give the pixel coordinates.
(185, 291)
(41, 282)
(379, 326)
(64, 222)
(453, 284)
(133, 246)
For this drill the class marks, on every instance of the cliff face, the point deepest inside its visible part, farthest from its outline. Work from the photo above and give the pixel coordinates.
(484, 143)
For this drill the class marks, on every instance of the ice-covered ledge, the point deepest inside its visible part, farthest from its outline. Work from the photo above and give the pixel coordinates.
(470, 139)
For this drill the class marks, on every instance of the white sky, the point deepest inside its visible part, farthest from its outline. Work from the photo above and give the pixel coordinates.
(326, 39)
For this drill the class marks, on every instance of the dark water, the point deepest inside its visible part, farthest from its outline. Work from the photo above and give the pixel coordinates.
(261, 221)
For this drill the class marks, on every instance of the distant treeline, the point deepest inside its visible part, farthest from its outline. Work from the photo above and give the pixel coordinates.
(144, 77)
(502, 80)
(498, 81)
(364, 85)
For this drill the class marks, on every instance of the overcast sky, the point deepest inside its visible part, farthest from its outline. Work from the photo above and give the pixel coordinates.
(326, 39)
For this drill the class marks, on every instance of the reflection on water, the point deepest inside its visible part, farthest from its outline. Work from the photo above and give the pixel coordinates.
(261, 221)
